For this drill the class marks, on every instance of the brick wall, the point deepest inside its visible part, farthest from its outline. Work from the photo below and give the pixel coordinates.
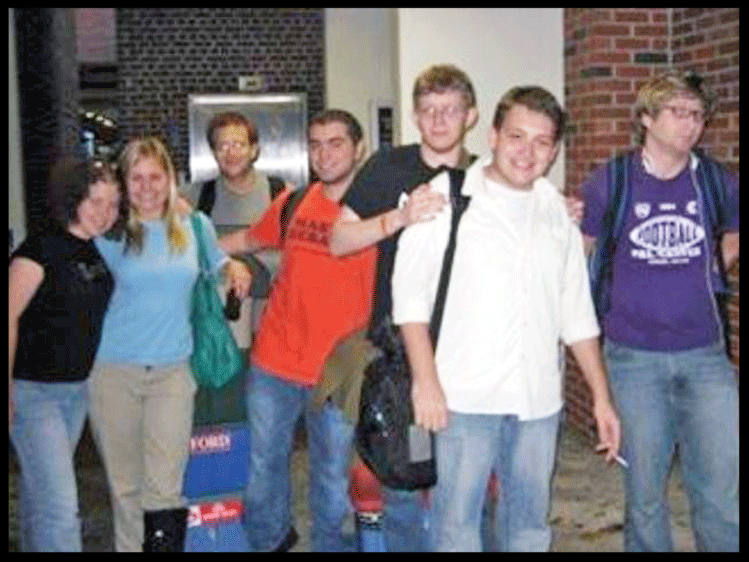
(707, 41)
(608, 53)
(166, 54)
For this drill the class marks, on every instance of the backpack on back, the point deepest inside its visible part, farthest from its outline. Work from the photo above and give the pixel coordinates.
(207, 196)
(710, 178)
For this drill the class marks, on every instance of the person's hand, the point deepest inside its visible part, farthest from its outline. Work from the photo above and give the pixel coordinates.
(430, 406)
(575, 208)
(609, 430)
(423, 204)
(239, 277)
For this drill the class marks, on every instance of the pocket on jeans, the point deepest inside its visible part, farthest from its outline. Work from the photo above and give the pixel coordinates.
(23, 394)
(714, 365)
(718, 351)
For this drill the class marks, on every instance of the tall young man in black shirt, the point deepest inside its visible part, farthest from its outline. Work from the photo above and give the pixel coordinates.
(444, 111)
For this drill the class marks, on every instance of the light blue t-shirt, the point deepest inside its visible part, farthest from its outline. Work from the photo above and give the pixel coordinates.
(148, 319)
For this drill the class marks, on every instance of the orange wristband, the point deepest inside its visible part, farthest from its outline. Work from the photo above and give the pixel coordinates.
(383, 226)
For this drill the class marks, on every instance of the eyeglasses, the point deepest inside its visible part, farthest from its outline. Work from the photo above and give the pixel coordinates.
(448, 112)
(685, 113)
(237, 146)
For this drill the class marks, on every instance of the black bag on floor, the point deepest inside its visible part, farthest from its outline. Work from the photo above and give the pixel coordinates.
(399, 453)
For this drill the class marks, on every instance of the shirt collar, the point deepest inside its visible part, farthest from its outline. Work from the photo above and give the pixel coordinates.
(647, 165)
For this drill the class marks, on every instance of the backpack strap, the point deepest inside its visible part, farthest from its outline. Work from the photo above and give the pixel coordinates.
(459, 204)
(207, 197)
(208, 193)
(289, 207)
(619, 172)
(711, 181)
(620, 195)
(200, 244)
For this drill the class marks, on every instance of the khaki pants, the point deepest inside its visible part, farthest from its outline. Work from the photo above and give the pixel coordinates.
(141, 419)
(343, 374)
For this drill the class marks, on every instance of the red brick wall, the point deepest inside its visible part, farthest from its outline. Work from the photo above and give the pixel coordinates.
(608, 53)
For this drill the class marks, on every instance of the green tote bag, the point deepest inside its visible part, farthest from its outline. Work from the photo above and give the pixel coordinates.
(215, 359)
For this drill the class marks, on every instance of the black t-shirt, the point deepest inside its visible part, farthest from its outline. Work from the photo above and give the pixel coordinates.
(377, 188)
(59, 332)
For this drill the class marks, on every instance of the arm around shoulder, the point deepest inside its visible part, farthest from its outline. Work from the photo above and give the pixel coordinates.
(351, 233)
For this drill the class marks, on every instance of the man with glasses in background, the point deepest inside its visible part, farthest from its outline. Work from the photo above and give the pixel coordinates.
(665, 218)
(238, 197)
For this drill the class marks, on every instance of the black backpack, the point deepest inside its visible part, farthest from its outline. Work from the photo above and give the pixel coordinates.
(399, 454)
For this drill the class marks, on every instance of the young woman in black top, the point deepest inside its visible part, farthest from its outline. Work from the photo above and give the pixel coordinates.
(59, 288)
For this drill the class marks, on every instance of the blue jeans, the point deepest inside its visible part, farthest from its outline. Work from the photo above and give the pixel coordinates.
(273, 408)
(48, 424)
(406, 520)
(522, 453)
(687, 399)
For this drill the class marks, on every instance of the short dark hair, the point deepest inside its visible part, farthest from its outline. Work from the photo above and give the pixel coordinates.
(69, 185)
(441, 78)
(231, 118)
(353, 128)
(536, 99)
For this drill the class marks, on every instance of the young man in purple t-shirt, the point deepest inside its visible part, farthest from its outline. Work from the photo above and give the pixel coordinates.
(671, 379)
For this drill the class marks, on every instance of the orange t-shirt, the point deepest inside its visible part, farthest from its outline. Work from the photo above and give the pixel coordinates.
(317, 299)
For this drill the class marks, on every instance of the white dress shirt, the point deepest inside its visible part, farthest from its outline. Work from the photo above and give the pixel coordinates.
(518, 287)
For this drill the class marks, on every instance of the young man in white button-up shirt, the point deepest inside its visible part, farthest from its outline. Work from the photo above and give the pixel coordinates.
(518, 287)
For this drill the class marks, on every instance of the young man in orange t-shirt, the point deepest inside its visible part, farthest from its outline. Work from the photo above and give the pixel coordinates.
(317, 300)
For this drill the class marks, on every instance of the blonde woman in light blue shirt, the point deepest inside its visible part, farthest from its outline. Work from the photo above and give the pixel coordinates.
(142, 389)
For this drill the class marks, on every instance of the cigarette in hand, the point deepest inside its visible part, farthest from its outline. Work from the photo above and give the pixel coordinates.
(621, 461)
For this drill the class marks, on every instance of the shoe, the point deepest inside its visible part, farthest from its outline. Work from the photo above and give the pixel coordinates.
(165, 530)
(288, 542)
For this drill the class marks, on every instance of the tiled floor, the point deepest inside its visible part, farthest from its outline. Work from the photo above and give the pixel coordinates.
(586, 510)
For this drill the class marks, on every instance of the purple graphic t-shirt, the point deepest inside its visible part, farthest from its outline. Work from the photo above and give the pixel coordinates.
(663, 270)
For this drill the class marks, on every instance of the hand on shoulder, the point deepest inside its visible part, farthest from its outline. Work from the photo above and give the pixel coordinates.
(575, 208)
(423, 204)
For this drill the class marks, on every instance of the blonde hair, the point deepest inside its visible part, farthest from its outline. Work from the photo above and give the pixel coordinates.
(657, 91)
(442, 78)
(151, 147)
